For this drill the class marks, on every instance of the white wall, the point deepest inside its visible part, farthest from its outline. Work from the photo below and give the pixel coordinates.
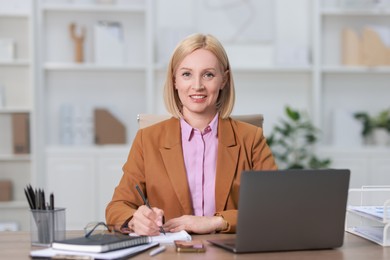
(257, 92)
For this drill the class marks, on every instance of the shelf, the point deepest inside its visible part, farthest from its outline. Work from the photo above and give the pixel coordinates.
(364, 150)
(355, 12)
(16, 63)
(94, 8)
(15, 157)
(276, 69)
(11, 110)
(356, 69)
(13, 204)
(57, 66)
(88, 149)
(14, 15)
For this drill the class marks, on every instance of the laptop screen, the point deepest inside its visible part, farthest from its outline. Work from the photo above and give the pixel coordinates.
(291, 210)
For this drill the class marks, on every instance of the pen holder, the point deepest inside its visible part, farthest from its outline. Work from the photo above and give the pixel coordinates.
(47, 226)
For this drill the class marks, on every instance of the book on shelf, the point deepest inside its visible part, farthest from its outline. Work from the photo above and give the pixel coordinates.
(100, 243)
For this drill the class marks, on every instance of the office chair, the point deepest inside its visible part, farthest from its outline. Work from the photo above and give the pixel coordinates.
(145, 120)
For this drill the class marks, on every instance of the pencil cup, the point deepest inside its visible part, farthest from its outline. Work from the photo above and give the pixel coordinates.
(47, 226)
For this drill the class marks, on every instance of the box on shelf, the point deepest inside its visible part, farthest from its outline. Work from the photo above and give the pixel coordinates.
(108, 129)
(5, 190)
(351, 48)
(370, 48)
(21, 133)
(375, 51)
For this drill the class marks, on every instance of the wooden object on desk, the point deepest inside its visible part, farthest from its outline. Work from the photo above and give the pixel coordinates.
(21, 133)
(108, 129)
(351, 48)
(78, 40)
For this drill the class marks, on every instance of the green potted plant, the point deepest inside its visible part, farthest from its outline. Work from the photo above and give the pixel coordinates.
(376, 128)
(292, 142)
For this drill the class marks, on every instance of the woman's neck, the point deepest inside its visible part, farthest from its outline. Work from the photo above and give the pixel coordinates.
(199, 121)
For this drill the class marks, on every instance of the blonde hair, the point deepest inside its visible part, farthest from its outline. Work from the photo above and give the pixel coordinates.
(191, 43)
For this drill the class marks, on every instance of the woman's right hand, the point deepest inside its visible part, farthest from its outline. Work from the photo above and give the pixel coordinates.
(146, 221)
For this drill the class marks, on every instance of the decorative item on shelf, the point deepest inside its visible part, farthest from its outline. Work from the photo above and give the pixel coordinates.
(21, 133)
(76, 125)
(109, 43)
(78, 37)
(372, 48)
(292, 142)
(5, 190)
(108, 129)
(7, 49)
(376, 129)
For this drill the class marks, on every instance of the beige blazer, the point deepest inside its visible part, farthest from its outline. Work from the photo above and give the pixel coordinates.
(156, 164)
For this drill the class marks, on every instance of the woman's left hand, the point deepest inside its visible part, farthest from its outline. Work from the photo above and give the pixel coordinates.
(194, 224)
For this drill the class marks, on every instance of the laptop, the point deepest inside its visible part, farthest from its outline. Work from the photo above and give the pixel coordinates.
(287, 210)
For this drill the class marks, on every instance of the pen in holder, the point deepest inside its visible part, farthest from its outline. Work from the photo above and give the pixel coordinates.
(47, 226)
(47, 223)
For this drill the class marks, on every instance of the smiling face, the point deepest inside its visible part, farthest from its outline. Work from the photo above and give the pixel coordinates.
(198, 80)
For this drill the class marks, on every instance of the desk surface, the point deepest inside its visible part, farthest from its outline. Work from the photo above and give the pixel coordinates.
(16, 245)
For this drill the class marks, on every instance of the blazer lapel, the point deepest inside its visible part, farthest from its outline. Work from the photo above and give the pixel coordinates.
(228, 152)
(172, 156)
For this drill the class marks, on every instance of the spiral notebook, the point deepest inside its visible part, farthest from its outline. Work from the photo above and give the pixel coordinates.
(290, 210)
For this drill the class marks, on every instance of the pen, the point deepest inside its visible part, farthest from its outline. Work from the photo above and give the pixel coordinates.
(157, 251)
(146, 202)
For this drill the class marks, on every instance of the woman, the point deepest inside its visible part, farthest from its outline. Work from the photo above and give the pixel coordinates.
(189, 166)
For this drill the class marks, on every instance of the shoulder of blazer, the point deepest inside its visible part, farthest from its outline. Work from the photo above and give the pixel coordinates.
(166, 133)
(229, 130)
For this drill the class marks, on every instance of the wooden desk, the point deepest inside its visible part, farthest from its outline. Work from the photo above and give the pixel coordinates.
(16, 246)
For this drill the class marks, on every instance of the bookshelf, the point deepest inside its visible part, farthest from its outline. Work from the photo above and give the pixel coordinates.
(16, 97)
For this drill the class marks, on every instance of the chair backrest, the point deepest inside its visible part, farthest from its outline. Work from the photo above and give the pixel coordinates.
(145, 120)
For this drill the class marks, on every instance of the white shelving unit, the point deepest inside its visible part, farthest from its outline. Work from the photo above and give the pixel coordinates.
(84, 175)
(17, 89)
(347, 88)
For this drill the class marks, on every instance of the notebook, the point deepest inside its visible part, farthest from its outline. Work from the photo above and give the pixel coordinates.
(50, 253)
(290, 210)
(100, 243)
